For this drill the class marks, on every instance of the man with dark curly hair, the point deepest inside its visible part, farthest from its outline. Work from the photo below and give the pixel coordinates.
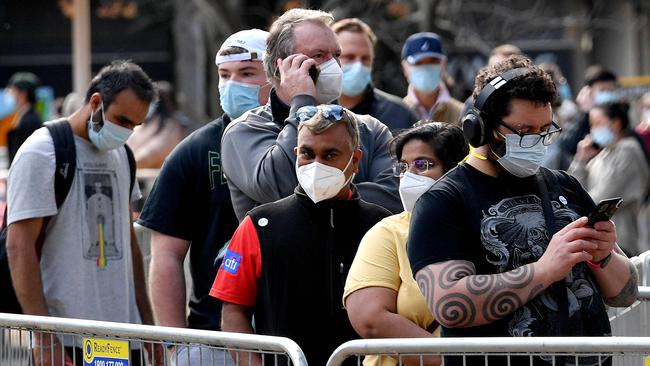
(502, 247)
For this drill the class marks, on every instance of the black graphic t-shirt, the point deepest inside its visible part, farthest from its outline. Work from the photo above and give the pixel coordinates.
(190, 200)
(497, 223)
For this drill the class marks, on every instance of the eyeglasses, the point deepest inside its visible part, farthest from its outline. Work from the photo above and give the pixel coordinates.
(329, 111)
(420, 166)
(527, 140)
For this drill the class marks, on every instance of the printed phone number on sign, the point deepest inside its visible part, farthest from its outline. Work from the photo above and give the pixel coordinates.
(109, 363)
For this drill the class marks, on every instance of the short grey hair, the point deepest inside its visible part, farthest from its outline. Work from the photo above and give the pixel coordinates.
(319, 124)
(279, 44)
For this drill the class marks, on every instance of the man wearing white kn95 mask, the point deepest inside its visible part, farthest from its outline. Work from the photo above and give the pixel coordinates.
(302, 63)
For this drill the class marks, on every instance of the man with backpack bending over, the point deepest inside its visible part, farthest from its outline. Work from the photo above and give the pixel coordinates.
(76, 271)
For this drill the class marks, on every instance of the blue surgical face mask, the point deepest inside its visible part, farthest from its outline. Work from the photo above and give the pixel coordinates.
(237, 98)
(565, 92)
(106, 135)
(356, 77)
(152, 109)
(605, 96)
(7, 104)
(522, 161)
(425, 78)
(602, 136)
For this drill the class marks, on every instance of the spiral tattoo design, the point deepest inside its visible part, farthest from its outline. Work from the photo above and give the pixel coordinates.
(480, 284)
(518, 278)
(455, 310)
(453, 272)
(535, 291)
(426, 282)
(501, 304)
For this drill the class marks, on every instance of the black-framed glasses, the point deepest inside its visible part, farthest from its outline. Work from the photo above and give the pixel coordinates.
(420, 166)
(527, 140)
(330, 111)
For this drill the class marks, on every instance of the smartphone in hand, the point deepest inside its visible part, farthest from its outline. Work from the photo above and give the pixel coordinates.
(604, 210)
(313, 73)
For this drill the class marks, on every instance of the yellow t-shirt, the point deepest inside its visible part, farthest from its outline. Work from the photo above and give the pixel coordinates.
(381, 261)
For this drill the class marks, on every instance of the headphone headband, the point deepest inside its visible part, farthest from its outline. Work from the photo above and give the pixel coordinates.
(476, 131)
(497, 83)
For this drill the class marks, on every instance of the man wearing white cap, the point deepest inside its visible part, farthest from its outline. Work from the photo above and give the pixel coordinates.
(189, 205)
(424, 63)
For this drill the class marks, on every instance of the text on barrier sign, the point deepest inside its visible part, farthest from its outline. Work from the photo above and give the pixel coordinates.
(104, 352)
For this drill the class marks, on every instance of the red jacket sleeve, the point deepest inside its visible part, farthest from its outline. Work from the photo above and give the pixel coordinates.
(236, 280)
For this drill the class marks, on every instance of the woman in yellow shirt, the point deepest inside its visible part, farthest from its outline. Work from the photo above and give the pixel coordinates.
(381, 296)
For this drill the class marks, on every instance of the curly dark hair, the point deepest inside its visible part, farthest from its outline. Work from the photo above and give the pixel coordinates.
(447, 142)
(536, 86)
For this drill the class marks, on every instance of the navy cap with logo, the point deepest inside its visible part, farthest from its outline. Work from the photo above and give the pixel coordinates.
(422, 45)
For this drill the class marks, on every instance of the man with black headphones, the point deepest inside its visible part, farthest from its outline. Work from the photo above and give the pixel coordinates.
(501, 247)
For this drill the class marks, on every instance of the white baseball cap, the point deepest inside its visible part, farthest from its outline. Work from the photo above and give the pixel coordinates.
(252, 40)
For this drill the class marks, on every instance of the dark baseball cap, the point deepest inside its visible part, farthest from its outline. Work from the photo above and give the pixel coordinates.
(25, 81)
(422, 45)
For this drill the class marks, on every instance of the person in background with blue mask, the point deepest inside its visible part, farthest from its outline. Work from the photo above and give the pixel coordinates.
(599, 87)
(82, 273)
(21, 94)
(501, 247)
(611, 161)
(381, 296)
(423, 63)
(357, 42)
(189, 207)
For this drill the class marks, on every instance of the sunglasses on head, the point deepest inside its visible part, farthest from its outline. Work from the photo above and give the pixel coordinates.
(332, 112)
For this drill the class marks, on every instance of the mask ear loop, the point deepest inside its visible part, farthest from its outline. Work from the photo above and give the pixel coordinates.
(344, 114)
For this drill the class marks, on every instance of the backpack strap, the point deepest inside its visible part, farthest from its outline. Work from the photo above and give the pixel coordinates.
(129, 155)
(559, 288)
(66, 158)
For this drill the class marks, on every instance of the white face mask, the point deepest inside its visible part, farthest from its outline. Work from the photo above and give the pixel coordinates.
(522, 161)
(328, 84)
(411, 187)
(321, 182)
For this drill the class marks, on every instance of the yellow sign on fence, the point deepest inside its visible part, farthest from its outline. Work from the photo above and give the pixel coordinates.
(103, 352)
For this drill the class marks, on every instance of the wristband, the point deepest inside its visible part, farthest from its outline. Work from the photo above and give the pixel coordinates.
(601, 263)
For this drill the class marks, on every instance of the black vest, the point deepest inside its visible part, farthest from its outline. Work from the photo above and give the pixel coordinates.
(306, 251)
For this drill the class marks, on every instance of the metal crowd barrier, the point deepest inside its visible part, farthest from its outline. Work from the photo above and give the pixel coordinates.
(24, 339)
(523, 351)
(633, 320)
(629, 345)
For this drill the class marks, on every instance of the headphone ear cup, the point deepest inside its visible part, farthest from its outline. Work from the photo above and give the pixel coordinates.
(474, 129)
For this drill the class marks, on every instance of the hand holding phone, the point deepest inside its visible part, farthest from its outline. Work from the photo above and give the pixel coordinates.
(604, 210)
(313, 73)
(297, 73)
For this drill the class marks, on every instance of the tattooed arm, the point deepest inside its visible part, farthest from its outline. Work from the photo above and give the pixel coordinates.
(617, 281)
(459, 298)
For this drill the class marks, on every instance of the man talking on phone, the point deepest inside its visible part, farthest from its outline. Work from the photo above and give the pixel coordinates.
(501, 247)
(258, 148)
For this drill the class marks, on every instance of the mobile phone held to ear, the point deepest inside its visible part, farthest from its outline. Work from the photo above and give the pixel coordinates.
(604, 210)
(313, 73)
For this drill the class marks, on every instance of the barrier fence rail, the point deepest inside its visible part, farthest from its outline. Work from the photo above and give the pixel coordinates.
(523, 351)
(28, 340)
